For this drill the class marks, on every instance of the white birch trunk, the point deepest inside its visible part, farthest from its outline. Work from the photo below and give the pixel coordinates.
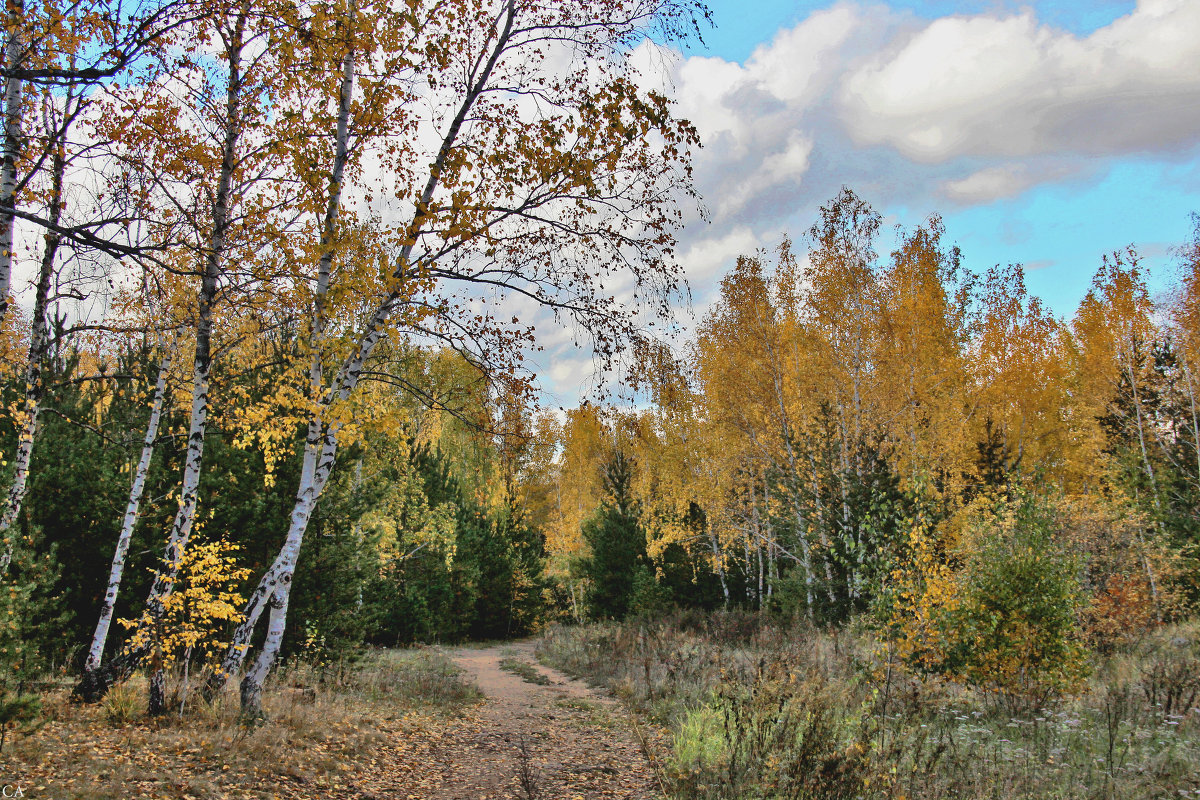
(719, 562)
(772, 545)
(307, 492)
(129, 522)
(746, 560)
(279, 591)
(1191, 390)
(39, 345)
(801, 533)
(13, 111)
(185, 516)
(260, 598)
(95, 684)
(346, 381)
(1137, 407)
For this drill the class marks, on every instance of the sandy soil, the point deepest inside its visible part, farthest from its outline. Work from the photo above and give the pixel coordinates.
(555, 742)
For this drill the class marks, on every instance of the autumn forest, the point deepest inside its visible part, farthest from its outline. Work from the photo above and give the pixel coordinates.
(273, 277)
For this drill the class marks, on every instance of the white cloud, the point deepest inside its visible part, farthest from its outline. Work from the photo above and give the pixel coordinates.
(1001, 182)
(1013, 87)
(917, 114)
(762, 133)
(962, 110)
(707, 258)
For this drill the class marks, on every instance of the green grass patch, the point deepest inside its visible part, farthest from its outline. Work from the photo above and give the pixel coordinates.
(525, 671)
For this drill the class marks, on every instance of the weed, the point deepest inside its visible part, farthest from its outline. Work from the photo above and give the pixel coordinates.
(124, 703)
(323, 721)
(527, 773)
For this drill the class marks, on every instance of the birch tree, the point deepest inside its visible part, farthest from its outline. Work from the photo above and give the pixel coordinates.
(130, 519)
(14, 110)
(210, 180)
(71, 50)
(43, 105)
(539, 188)
(1019, 364)
(39, 346)
(1184, 311)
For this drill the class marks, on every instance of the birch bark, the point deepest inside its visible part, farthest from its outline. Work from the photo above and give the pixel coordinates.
(346, 381)
(95, 683)
(39, 344)
(130, 520)
(1128, 367)
(308, 490)
(13, 111)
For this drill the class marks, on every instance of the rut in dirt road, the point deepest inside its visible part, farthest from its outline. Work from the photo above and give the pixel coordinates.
(540, 742)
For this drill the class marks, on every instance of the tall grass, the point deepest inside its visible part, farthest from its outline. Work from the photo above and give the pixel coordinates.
(760, 710)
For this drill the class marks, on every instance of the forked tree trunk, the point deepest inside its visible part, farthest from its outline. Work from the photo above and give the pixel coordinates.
(344, 384)
(132, 507)
(307, 493)
(279, 590)
(96, 683)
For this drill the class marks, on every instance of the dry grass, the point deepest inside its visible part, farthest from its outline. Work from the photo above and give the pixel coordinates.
(326, 730)
(763, 712)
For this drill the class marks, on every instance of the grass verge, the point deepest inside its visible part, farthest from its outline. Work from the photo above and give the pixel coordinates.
(755, 711)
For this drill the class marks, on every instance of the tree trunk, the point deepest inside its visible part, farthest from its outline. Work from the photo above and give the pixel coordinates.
(307, 493)
(1191, 389)
(280, 593)
(13, 111)
(351, 372)
(132, 506)
(95, 684)
(719, 562)
(39, 345)
(1137, 407)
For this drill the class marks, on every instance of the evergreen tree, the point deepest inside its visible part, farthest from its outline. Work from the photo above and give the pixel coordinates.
(617, 542)
(686, 574)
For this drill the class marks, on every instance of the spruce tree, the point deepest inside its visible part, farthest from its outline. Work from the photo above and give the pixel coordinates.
(617, 542)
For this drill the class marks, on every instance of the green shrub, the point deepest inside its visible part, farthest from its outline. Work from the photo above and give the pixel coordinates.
(649, 598)
(1014, 628)
(617, 543)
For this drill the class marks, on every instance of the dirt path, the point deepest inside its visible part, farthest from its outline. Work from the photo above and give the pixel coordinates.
(554, 742)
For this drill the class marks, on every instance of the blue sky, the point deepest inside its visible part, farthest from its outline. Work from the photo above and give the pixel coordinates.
(1059, 228)
(1044, 132)
(741, 25)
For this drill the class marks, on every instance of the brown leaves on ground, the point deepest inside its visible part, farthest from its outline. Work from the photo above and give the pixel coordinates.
(522, 741)
(307, 750)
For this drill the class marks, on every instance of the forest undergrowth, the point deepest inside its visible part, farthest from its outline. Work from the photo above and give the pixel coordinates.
(756, 709)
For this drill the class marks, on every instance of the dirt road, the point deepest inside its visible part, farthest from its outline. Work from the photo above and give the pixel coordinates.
(559, 741)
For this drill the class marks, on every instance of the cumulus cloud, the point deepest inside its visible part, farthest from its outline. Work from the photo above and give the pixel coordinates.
(1011, 86)
(706, 259)
(764, 152)
(960, 110)
(920, 114)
